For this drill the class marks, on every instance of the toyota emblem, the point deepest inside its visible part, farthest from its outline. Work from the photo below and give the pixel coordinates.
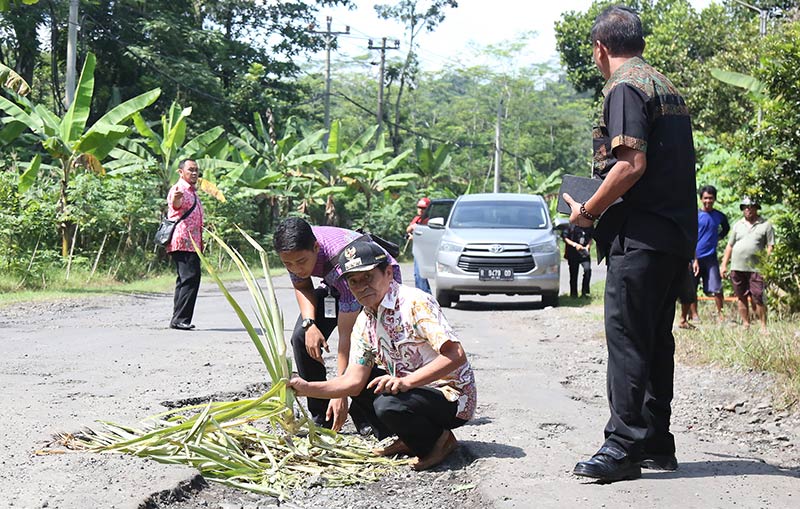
(496, 248)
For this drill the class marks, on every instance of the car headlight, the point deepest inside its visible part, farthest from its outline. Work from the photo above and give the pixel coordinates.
(441, 268)
(450, 247)
(544, 247)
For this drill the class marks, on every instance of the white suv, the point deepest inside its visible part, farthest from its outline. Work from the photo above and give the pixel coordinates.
(492, 243)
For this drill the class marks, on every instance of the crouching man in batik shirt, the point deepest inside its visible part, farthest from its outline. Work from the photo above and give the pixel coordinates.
(407, 371)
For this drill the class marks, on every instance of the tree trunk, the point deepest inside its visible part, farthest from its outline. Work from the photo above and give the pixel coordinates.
(54, 82)
(64, 226)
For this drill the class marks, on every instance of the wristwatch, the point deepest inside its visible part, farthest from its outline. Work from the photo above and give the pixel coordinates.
(306, 323)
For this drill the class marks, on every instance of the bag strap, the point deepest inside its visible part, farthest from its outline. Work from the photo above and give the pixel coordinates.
(186, 214)
(327, 267)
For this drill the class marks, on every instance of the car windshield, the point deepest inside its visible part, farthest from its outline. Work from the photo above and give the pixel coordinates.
(438, 209)
(499, 214)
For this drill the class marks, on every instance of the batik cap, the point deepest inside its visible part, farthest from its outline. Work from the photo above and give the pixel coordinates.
(361, 256)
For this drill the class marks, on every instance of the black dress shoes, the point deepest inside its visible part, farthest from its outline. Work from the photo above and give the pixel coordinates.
(365, 429)
(609, 464)
(181, 326)
(660, 462)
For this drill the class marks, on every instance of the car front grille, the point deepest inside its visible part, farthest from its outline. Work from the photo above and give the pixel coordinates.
(514, 256)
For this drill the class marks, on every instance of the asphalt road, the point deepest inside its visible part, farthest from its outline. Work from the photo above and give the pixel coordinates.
(541, 408)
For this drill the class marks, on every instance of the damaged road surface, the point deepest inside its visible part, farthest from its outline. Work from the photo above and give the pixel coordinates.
(542, 407)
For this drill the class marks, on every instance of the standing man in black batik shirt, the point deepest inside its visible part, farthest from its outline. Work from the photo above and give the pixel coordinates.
(644, 153)
(578, 252)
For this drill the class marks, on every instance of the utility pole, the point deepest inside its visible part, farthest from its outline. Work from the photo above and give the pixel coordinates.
(762, 30)
(72, 43)
(329, 36)
(383, 48)
(497, 146)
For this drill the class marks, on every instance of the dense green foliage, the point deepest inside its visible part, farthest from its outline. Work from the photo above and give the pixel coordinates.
(234, 95)
(747, 143)
(774, 145)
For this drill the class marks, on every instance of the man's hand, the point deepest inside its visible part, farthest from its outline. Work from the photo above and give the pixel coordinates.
(723, 270)
(337, 411)
(695, 267)
(388, 383)
(177, 199)
(575, 216)
(315, 342)
(299, 385)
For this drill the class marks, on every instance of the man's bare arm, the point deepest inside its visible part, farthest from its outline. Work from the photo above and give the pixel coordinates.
(631, 165)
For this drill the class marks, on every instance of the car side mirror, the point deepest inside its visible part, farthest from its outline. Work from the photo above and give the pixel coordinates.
(436, 223)
(560, 224)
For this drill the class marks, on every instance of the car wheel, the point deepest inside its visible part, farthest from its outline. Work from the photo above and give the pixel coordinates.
(445, 298)
(549, 300)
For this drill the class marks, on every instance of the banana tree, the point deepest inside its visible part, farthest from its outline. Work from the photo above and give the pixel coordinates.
(544, 184)
(161, 152)
(16, 85)
(369, 172)
(283, 170)
(431, 163)
(5, 5)
(13, 81)
(324, 183)
(67, 139)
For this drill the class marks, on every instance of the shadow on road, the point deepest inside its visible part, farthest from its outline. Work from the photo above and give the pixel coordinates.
(227, 329)
(515, 303)
(507, 305)
(491, 449)
(724, 467)
(470, 450)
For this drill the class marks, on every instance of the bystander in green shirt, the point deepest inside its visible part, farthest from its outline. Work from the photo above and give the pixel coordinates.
(748, 241)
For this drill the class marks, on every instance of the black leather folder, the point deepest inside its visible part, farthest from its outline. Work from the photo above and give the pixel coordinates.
(580, 188)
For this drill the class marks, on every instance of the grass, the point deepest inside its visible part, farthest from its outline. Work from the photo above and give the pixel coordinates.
(596, 292)
(728, 344)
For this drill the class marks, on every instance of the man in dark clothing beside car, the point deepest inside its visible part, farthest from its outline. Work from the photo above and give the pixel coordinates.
(644, 153)
(578, 252)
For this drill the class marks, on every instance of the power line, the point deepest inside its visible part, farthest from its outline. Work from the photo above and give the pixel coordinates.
(330, 37)
(457, 144)
(383, 47)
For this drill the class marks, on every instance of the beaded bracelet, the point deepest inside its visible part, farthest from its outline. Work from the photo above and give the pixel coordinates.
(585, 213)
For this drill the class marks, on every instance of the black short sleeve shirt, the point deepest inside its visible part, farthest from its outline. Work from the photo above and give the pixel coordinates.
(643, 111)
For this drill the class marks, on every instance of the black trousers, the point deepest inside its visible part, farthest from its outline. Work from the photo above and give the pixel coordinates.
(313, 371)
(418, 417)
(574, 264)
(187, 286)
(641, 288)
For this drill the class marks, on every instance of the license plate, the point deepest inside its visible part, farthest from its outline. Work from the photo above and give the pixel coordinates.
(485, 274)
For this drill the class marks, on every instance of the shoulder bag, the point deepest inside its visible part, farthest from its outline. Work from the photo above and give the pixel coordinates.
(164, 233)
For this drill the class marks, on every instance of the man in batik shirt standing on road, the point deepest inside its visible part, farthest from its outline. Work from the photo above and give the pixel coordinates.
(182, 197)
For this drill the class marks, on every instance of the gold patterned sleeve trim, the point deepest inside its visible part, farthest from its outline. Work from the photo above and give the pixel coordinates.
(630, 142)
